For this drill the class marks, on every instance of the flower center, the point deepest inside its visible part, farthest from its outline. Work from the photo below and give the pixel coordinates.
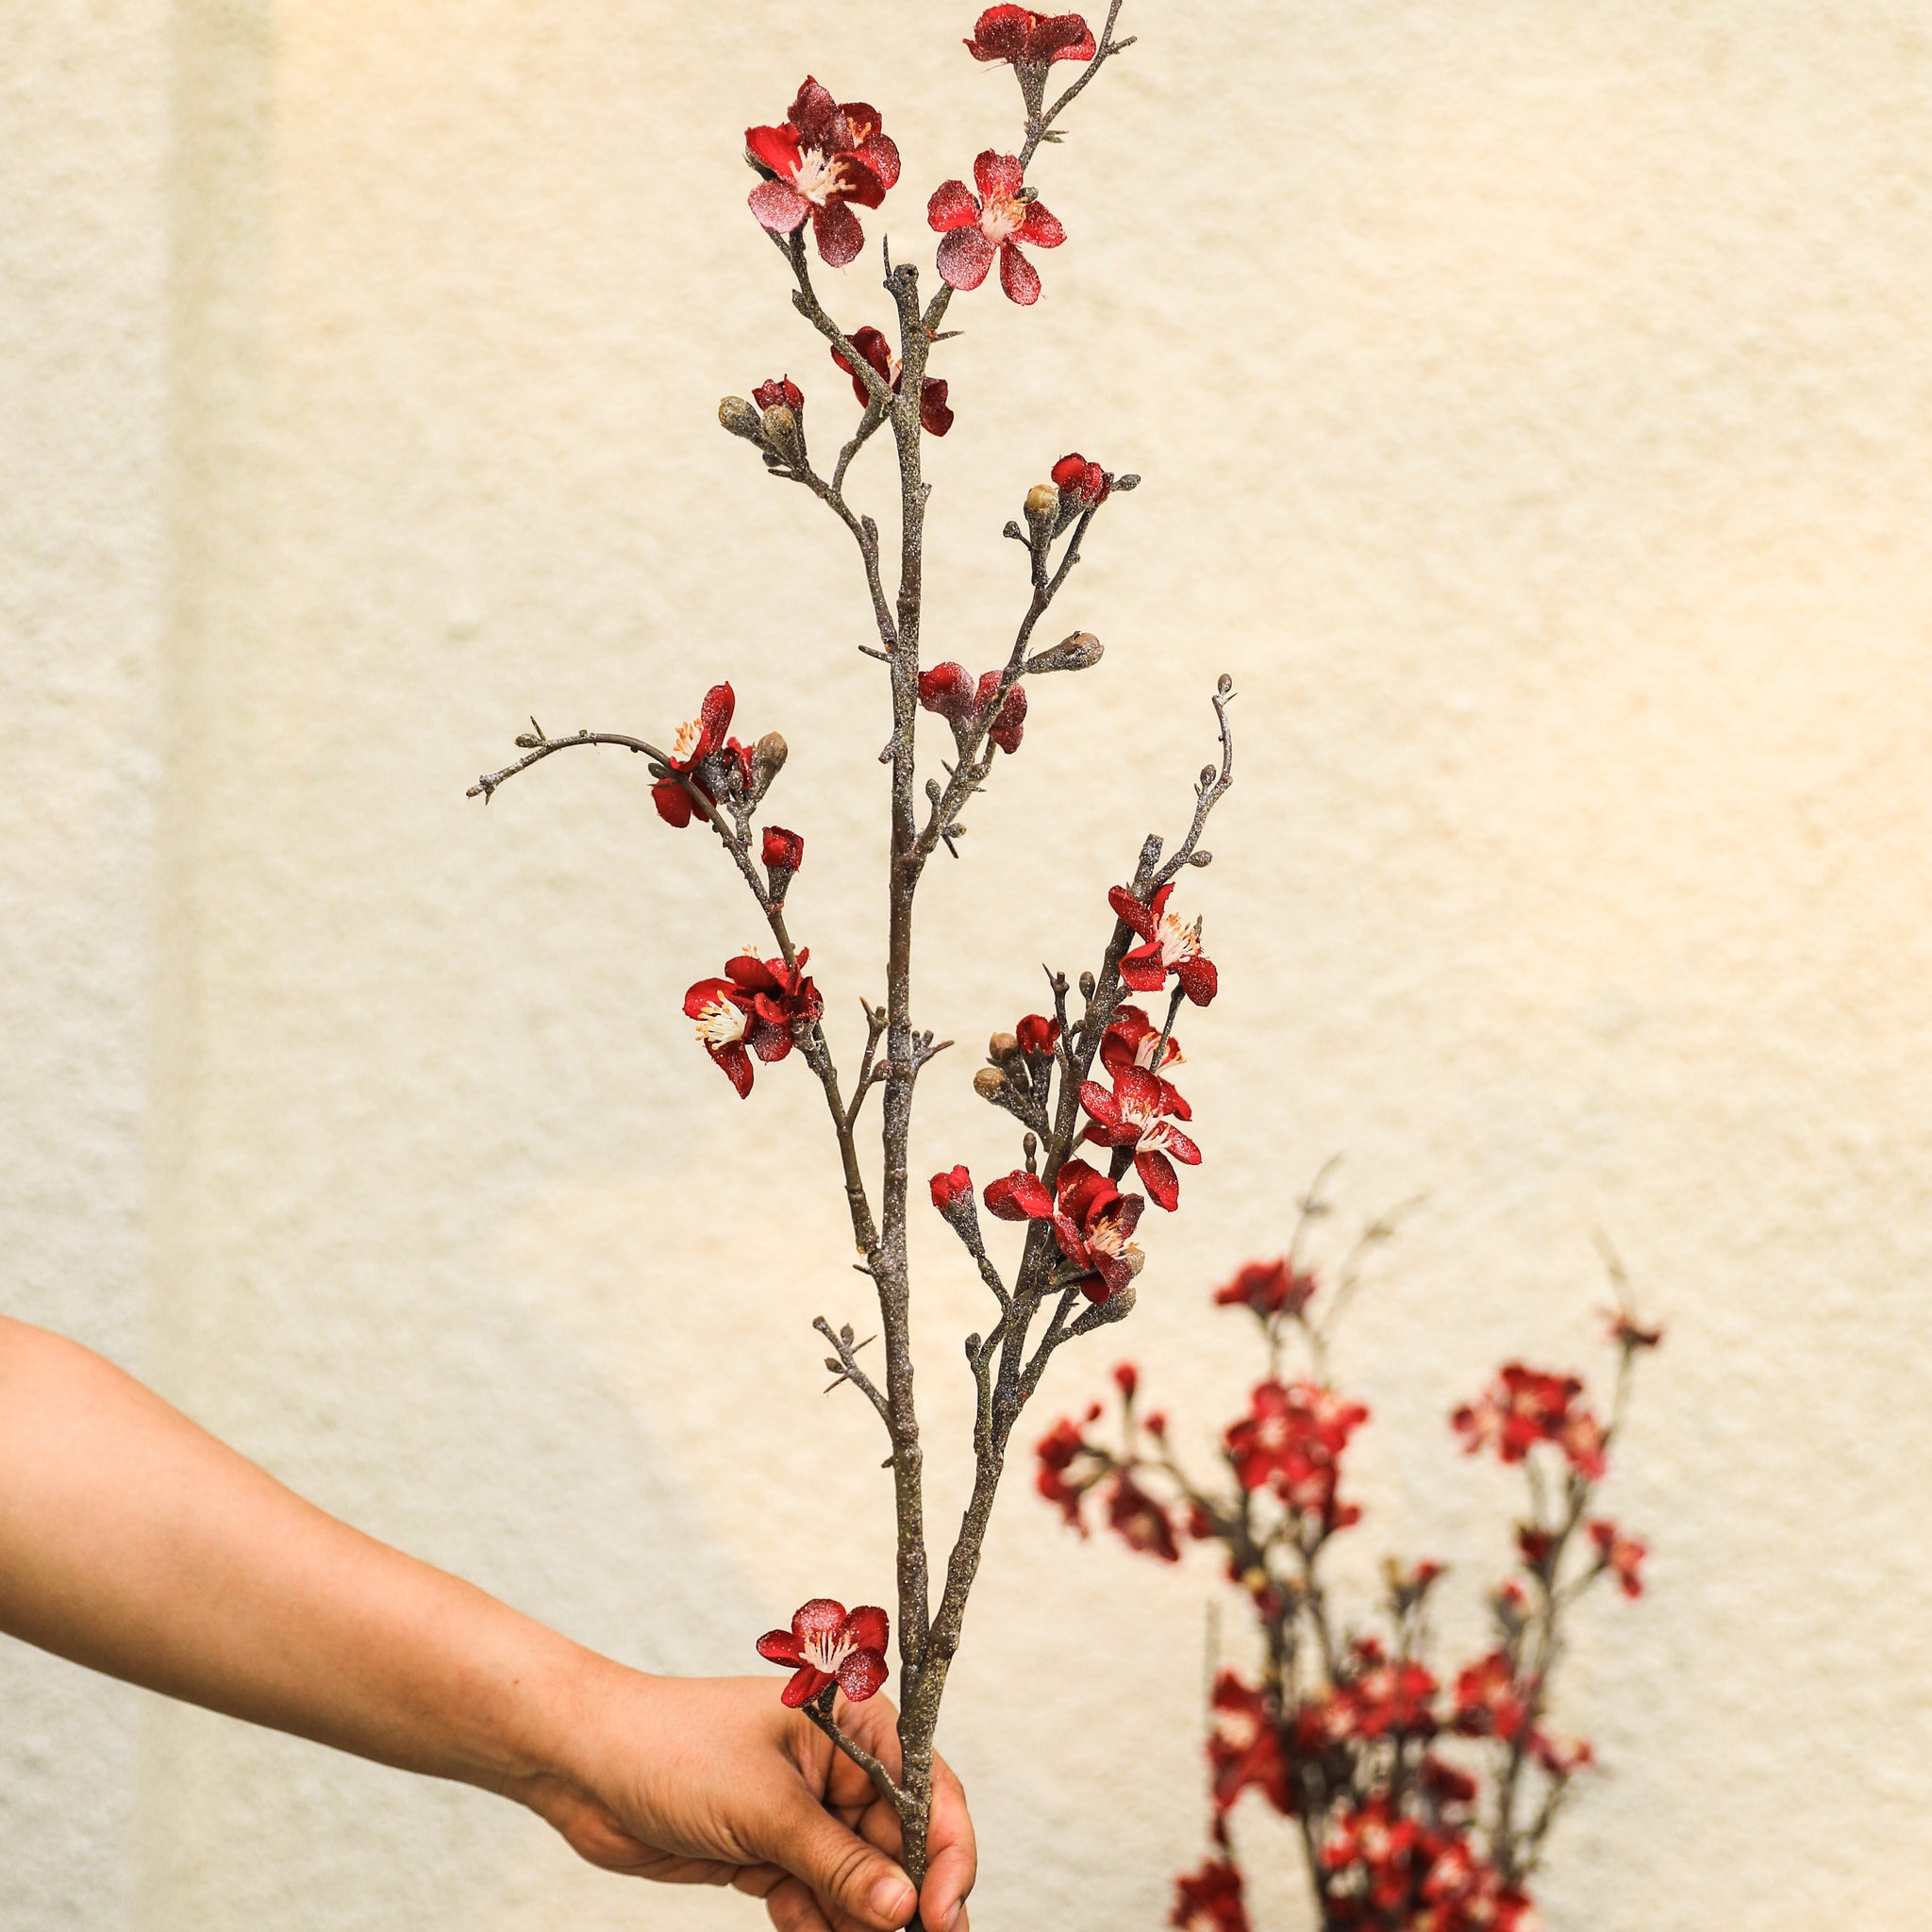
(818, 177)
(1177, 941)
(720, 1024)
(1001, 219)
(829, 1652)
(1144, 1054)
(684, 747)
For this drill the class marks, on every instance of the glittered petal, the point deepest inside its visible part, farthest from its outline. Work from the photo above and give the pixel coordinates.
(934, 416)
(776, 147)
(861, 1674)
(1018, 277)
(997, 174)
(1019, 1197)
(1129, 908)
(779, 1647)
(836, 231)
(868, 1628)
(736, 1063)
(857, 182)
(1000, 34)
(1198, 980)
(805, 1684)
(811, 114)
(952, 207)
(881, 155)
(778, 206)
(1064, 37)
(673, 803)
(705, 993)
(964, 258)
(1183, 1149)
(1100, 1103)
(1135, 1087)
(820, 1617)
(714, 714)
(1041, 229)
(1157, 1172)
(1142, 971)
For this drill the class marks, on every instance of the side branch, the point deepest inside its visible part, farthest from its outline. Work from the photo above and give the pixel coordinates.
(846, 1367)
(820, 1711)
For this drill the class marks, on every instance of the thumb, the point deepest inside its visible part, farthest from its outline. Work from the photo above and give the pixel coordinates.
(842, 1868)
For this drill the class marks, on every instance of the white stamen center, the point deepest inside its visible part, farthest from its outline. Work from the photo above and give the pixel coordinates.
(719, 1023)
(1001, 219)
(684, 746)
(826, 1653)
(1177, 941)
(817, 176)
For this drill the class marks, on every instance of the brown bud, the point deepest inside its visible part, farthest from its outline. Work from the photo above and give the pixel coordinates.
(988, 1082)
(1042, 505)
(766, 760)
(785, 435)
(1078, 653)
(1001, 1047)
(738, 416)
(1088, 983)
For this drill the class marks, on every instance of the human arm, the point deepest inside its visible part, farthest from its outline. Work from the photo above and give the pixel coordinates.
(134, 1542)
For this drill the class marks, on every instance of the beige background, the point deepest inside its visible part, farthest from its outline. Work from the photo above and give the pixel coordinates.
(1533, 400)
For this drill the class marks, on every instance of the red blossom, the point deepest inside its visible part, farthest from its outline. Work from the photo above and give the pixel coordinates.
(702, 754)
(1132, 1040)
(948, 1189)
(821, 158)
(1132, 1116)
(1269, 1287)
(992, 222)
(1166, 947)
(782, 389)
(1062, 1479)
(1126, 1379)
(1387, 1696)
(1621, 1555)
(1008, 728)
(1382, 1844)
(1208, 1900)
(827, 1646)
(1245, 1748)
(1084, 484)
(1525, 1406)
(759, 1007)
(1292, 1441)
(934, 416)
(952, 691)
(1092, 1221)
(1461, 1890)
(783, 851)
(949, 689)
(1490, 1703)
(1536, 1545)
(1026, 38)
(1037, 1034)
(1138, 1520)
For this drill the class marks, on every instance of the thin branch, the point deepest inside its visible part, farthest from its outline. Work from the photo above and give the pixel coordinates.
(847, 1367)
(1037, 125)
(820, 1713)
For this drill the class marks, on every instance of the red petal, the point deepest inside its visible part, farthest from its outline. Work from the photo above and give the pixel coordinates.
(1198, 980)
(704, 993)
(1137, 1087)
(748, 972)
(934, 417)
(1000, 34)
(778, 206)
(1156, 1170)
(1072, 1242)
(868, 1628)
(714, 714)
(736, 1062)
(1174, 1101)
(953, 207)
(948, 689)
(1142, 971)
(820, 1617)
(1158, 905)
(880, 153)
(1126, 1216)
(1065, 37)
(1114, 1276)
(1041, 229)
(964, 258)
(1019, 1197)
(811, 114)
(1124, 903)
(836, 231)
(779, 1647)
(804, 1686)
(777, 148)
(768, 1040)
(1183, 1149)
(1100, 1103)
(994, 173)
(1010, 725)
(1069, 471)
(861, 1674)
(857, 182)
(1018, 277)
(673, 803)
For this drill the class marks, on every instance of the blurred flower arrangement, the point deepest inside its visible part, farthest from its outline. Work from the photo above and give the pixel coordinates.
(1424, 1797)
(1066, 1078)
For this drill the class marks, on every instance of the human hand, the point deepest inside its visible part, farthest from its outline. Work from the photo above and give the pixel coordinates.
(712, 1781)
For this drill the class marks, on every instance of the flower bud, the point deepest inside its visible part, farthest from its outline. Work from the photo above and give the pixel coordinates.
(1080, 652)
(766, 760)
(1043, 510)
(1002, 1046)
(784, 853)
(1037, 1034)
(738, 416)
(1128, 1380)
(988, 1082)
(783, 433)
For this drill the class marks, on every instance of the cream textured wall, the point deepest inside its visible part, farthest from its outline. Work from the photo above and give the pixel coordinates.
(1535, 412)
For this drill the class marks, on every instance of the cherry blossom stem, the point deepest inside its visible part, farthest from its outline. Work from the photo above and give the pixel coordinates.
(850, 1371)
(1037, 124)
(820, 1713)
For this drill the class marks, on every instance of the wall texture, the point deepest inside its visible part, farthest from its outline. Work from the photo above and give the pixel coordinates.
(1536, 421)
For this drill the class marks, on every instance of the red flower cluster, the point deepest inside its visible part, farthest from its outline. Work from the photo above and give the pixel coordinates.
(702, 754)
(761, 1006)
(1084, 485)
(1093, 1222)
(1026, 38)
(827, 1644)
(818, 161)
(1292, 1441)
(1069, 1466)
(1134, 1115)
(935, 418)
(992, 222)
(1166, 947)
(1623, 1556)
(1388, 1868)
(1525, 1406)
(1132, 1040)
(952, 691)
(1244, 1746)
(1209, 1899)
(1270, 1289)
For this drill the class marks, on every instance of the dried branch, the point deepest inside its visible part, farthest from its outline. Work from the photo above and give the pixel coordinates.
(820, 1713)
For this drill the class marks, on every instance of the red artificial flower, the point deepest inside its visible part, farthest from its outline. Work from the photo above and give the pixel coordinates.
(1058, 1481)
(759, 1007)
(1489, 1701)
(826, 1645)
(1292, 1441)
(1244, 1746)
(1132, 1040)
(1026, 38)
(1166, 947)
(1388, 1696)
(1525, 1406)
(1037, 1034)
(948, 1189)
(819, 159)
(701, 753)
(934, 416)
(1536, 1545)
(951, 689)
(1619, 1554)
(1138, 1520)
(1092, 1221)
(1208, 1900)
(1132, 1116)
(1087, 484)
(1269, 1287)
(782, 389)
(1370, 1835)
(1445, 1787)
(1459, 1889)
(994, 222)
(783, 850)
(1010, 725)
